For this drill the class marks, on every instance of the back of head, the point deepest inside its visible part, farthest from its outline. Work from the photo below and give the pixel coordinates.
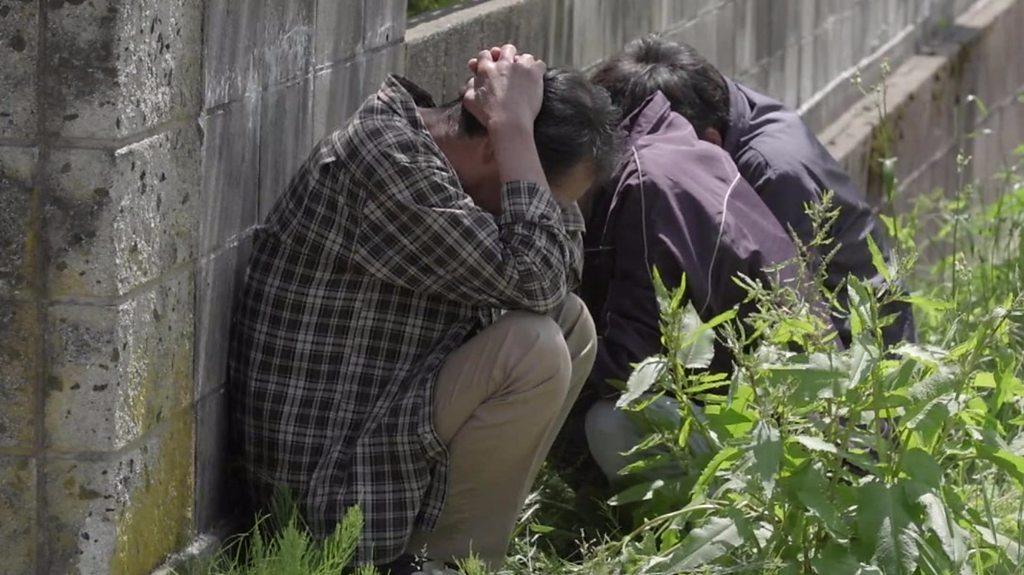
(577, 123)
(695, 89)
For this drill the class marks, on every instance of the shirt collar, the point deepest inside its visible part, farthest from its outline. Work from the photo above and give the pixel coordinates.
(645, 119)
(739, 118)
(404, 97)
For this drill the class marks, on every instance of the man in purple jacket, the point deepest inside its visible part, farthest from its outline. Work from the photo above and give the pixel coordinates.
(774, 151)
(678, 204)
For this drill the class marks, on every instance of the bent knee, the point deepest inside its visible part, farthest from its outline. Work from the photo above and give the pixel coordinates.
(538, 351)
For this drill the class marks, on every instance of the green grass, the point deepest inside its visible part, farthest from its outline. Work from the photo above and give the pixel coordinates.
(417, 7)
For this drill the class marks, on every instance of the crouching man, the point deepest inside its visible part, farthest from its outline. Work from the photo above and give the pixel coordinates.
(678, 204)
(372, 360)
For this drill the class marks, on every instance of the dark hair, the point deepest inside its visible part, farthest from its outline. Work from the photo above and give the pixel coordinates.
(577, 122)
(695, 89)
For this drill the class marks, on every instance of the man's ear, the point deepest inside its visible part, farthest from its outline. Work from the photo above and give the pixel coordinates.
(712, 135)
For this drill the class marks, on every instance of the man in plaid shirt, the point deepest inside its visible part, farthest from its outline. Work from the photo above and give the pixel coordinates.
(372, 360)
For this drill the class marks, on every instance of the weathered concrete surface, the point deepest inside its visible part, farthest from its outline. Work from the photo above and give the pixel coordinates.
(116, 371)
(19, 53)
(113, 69)
(120, 513)
(18, 209)
(117, 219)
(931, 114)
(803, 52)
(100, 185)
(18, 503)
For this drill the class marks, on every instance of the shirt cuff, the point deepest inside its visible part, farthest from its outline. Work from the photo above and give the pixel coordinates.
(527, 201)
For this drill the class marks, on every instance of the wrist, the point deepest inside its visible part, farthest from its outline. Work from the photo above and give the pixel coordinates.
(510, 128)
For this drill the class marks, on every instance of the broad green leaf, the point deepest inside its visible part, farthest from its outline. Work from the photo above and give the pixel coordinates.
(887, 528)
(836, 559)
(864, 356)
(640, 492)
(920, 466)
(1008, 545)
(704, 545)
(947, 532)
(721, 459)
(811, 488)
(766, 451)
(815, 444)
(643, 377)
(1003, 459)
(928, 304)
(698, 347)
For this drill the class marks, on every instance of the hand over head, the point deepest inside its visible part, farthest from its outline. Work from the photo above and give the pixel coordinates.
(506, 89)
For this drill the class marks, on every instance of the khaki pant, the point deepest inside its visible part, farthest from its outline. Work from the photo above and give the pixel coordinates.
(499, 403)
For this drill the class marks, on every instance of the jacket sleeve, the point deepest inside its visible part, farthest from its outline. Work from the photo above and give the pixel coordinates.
(786, 192)
(419, 230)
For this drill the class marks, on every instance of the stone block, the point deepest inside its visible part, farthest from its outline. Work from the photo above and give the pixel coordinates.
(20, 356)
(231, 47)
(218, 282)
(286, 42)
(285, 138)
(20, 224)
(114, 69)
(123, 512)
(230, 194)
(383, 23)
(116, 219)
(117, 371)
(18, 515)
(339, 30)
(19, 54)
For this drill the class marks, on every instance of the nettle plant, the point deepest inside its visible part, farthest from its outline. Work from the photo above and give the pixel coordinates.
(817, 459)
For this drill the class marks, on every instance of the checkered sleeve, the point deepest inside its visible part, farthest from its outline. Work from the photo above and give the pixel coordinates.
(420, 230)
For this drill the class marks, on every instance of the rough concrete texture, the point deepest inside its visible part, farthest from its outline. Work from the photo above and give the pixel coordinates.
(120, 513)
(20, 362)
(933, 111)
(17, 512)
(18, 209)
(113, 69)
(116, 219)
(19, 52)
(116, 371)
(798, 50)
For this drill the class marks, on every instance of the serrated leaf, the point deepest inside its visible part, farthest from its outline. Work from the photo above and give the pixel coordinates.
(644, 376)
(809, 486)
(947, 532)
(1003, 459)
(886, 528)
(766, 451)
(705, 544)
(698, 347)
(922, 467)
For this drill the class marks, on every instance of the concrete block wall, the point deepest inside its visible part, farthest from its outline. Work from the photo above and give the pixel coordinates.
(801, 51)
(99, 202)
(933, 111)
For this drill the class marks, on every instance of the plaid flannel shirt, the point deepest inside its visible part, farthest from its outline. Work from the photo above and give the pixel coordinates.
(368, 272)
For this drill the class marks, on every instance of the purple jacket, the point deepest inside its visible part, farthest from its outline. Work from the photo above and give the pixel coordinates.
(788, 167)
(679, 204)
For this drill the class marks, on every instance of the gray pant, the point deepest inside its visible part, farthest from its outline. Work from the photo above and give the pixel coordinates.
(611, 432)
